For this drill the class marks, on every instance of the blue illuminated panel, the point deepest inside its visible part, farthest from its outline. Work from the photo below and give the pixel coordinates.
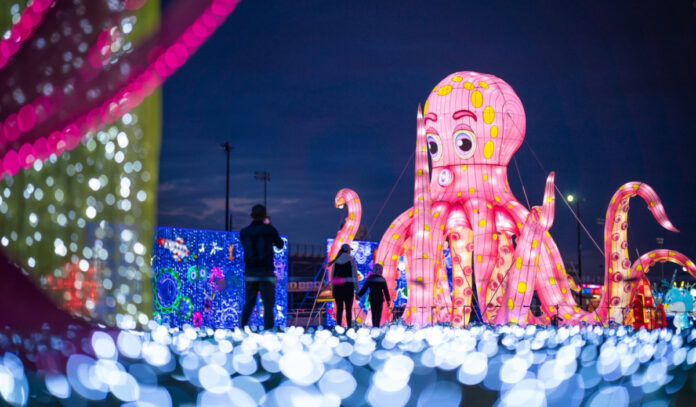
(198, 278)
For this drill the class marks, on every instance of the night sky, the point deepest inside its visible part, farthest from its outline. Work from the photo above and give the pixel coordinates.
(323, 95)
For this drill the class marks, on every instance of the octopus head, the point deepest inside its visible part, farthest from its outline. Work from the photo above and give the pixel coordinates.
(473, 118)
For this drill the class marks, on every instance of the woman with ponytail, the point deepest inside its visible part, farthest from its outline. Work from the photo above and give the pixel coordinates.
(345, 283)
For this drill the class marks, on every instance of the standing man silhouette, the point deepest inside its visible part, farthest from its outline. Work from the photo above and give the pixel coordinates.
(258, 240)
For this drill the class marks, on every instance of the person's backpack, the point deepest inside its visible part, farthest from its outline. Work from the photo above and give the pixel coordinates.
(343, 270)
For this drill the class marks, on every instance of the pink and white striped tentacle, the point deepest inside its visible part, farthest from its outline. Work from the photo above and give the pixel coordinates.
(422, 275)
(643, 264)
(346, 197)
(442, 300)
(520, 282)
(389, 249)
(617, 294)
(495, 294)
(482, 218)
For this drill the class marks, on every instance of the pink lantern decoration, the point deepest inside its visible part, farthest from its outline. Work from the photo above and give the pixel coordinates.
(129, 96)
(11, 127)
(56, 143)
(41, 149)
(27, 156)
(11, 162)
(26, 118)
(470, 127)
(134, 4)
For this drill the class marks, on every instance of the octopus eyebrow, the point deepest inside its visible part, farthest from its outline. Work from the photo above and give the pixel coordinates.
(463, 113)
(430, 116)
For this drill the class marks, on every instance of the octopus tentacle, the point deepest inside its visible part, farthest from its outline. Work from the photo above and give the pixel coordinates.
(443, 298)
(481, 215)
(389, 249)
(460, 238)
(641, 266)
(496, 289)
(520, 286)
(346, 197)
(617, 261)
(551, 282)
(422, 273)
(461, 246)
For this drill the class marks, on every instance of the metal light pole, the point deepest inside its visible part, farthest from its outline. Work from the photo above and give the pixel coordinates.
(264, 176)
(227, 147)
(661, 241)
(571, 198)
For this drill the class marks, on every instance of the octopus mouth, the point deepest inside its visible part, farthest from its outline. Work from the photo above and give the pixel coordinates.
(445, 178)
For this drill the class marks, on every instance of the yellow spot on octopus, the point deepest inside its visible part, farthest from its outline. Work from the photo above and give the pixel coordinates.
(479, 258)
(395, 236)
(456, 78)
(552, 280)
(535, 243)
(472, 190)
(522, 287)
(482, 223)
(497, 198)
(488, 115)
(483, 84)
(488, 149)
(494, 131)
(444, 90)
(485, 177)
(510, 304)
(476, 98)
(518, 263)
(468, 85)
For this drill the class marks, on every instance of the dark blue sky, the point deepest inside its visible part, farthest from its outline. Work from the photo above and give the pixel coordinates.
(323, 95)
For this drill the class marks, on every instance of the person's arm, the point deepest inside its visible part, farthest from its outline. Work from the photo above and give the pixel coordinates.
(362, 290)
(277, 241)
(385, 290)
(354, 271)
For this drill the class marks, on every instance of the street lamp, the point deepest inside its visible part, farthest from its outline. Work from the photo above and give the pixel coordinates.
(227, 147)
(661, 241)
(572, 198)
(264, 176)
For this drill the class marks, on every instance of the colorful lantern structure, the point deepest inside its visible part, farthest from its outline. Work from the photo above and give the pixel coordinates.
(679, 303)
(469, 129)
(79, 141)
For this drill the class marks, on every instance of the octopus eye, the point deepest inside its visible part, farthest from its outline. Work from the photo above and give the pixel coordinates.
(464, 143)
(434, 147)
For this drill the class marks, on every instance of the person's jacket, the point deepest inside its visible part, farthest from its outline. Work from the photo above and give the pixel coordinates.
(258, 240)
(345, 270)
(378, 288)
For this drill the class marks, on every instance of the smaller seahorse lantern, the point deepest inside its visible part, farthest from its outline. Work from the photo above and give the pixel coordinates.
(678, 302)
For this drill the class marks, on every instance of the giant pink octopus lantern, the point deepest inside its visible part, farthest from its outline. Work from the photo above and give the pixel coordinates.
(471, 126)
